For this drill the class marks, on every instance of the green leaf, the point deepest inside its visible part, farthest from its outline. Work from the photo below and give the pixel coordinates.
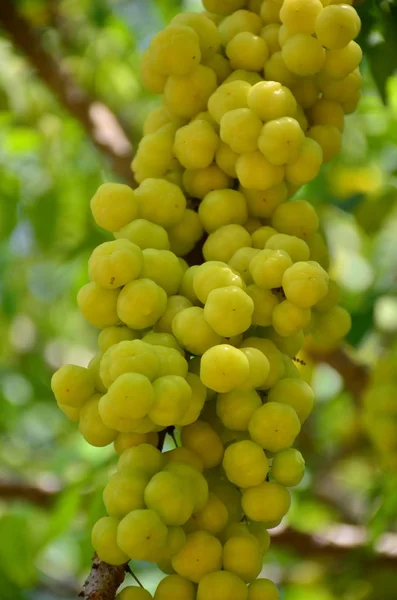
(9, 590)
(379, 41)
(64, 511)
(9, 199)
(43, 216)
(16, 550)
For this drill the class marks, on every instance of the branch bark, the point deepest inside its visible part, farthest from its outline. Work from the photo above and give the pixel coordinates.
(338, 543)
(102, 126)
(335, 543)
(354, 375)
(103, 581)
(19, 490)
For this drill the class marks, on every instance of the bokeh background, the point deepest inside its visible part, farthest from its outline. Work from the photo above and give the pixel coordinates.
(71, 113)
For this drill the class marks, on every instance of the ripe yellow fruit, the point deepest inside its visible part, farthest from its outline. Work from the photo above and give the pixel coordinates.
(153, 80)
(277, 70)
(300, 15)
(222, 207)
(224, 368)
(186, 96)
(113, 206)
(296, 393)
(221, 584)
(113, 264)
(240, 129)
(171, 209)
(98, 305)
(329, 138)
(303, 55)
(206, 30)
(270, 12)
(223, 7)
(175, 50)
(307, 166)
(201, 554)
(339, 63)
(274, 426)
(220, 65)
(327, 112)
(247, 51)
(91, 426)
(270, 34)
(154, 156)
(263, 589)
(226, 159)
(201, 438)
(141, 303)
(145, 234)
(245, 464)
(228, 96)
(255, 172)
(195, 145)
(271, 100)
(242, 556)
(306, 92)
(72, 386)
(298, 218)
(176, 587)
(337, 25)
(134, 593)
(103, 538)
(289, 319)
(261, 204)
(156, 119)
(273, 355)
(142, 535)
(124, 492)
(184, 235)
(239, 21)
(280, 140)
(223, 243)
(171, 497)
(266, 502)
(212, 518)
(250, 77)
(198, 182)
(297, 249)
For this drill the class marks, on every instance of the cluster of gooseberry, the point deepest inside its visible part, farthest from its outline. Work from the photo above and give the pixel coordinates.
(254, 98)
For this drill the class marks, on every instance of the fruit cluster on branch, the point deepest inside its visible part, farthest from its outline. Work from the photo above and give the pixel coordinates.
(254, 98)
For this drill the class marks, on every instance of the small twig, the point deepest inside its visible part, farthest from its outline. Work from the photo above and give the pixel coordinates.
(172, 436)
(131, 572)
(162, 435)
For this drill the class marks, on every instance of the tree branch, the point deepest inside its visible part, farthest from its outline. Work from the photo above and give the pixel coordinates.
(354, 375)
(19, 490)
(338, 543)
(334, 543)
(103, 581)
(102, 126)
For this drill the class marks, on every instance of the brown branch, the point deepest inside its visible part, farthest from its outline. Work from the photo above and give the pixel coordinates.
(16, 490)
(338, 543)
(334, 543)
(354, 375)
(103, 581)
(102, 126)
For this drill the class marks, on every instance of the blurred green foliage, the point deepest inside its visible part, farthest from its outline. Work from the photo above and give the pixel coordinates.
(49, 169)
